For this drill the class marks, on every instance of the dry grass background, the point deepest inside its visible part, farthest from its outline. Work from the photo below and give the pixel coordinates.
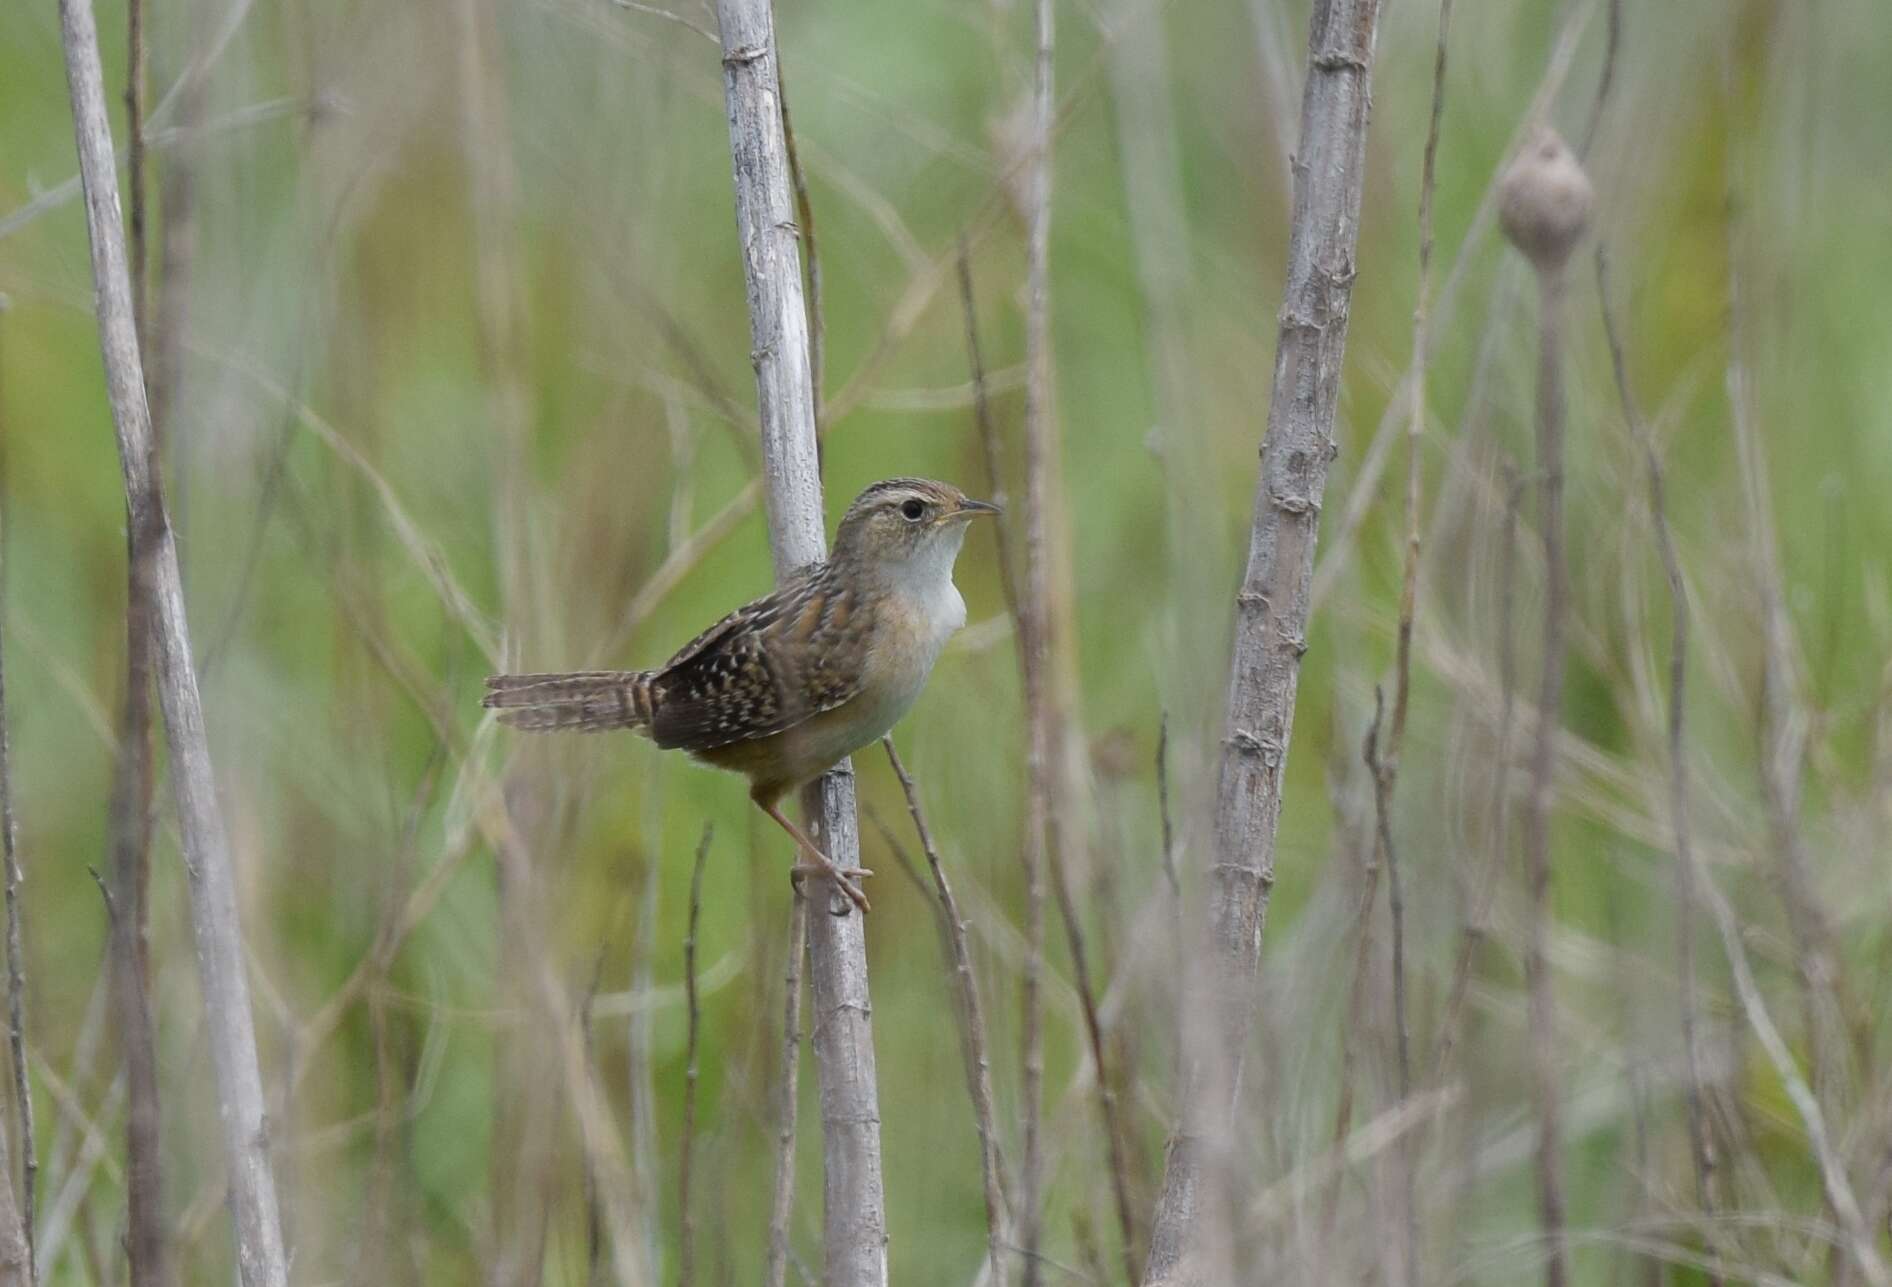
(463, 380)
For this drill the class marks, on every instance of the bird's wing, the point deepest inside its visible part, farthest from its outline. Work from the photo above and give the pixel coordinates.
(764, 668)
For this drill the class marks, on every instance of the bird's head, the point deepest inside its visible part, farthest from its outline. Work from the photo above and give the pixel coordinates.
(910, 526)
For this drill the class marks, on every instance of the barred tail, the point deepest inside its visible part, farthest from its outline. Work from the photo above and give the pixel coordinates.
(589, 701)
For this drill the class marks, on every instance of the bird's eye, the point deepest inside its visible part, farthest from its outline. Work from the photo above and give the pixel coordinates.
(913, 511)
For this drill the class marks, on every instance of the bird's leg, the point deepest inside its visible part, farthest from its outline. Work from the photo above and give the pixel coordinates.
(822, 864)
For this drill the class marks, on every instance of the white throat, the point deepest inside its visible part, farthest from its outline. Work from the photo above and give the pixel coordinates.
(926, 578)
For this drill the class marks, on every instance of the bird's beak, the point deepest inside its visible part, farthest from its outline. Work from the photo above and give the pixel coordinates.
(970, 508)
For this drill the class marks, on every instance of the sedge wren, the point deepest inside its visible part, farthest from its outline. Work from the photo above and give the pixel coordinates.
(782, 689)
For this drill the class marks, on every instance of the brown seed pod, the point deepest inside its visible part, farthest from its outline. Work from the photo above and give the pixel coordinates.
(1544, 200)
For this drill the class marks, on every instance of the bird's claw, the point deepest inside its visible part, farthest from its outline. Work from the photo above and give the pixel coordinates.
(844, 877)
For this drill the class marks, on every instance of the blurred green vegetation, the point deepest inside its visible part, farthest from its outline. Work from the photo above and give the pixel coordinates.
(335, 282)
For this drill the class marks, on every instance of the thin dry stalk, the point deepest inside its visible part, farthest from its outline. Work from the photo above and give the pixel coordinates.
(1179, 942)
(686, 1148)
(135, 157)
(1544, 209)
(594, 1209)
(146, 1240)
(811, 259)
(1543, 1014)
(1381, 771)
(640, 1084)
(1701, 1153)
(1168, 855)
(1106, 1090)
(1416, 417)
(519, 1159)
(1271, 612)
(129, 811)
(258, 1231)
(146, 1245)
(1639, 1200)
(972, 1033)
(177, 247)
(786, 1091)
(1353, 1025)
(854, 1204)
(1612, 47)
(667, 15)
(988, 434)
(18, 1257)
(1036, 628)
(1382, 762)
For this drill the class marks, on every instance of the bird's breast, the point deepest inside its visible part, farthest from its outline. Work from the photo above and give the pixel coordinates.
(913, 632)
(924, 619)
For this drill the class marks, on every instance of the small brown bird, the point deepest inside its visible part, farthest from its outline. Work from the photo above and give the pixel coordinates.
(784, 688)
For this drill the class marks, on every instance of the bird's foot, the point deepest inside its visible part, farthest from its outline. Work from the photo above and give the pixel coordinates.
(843, 877)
